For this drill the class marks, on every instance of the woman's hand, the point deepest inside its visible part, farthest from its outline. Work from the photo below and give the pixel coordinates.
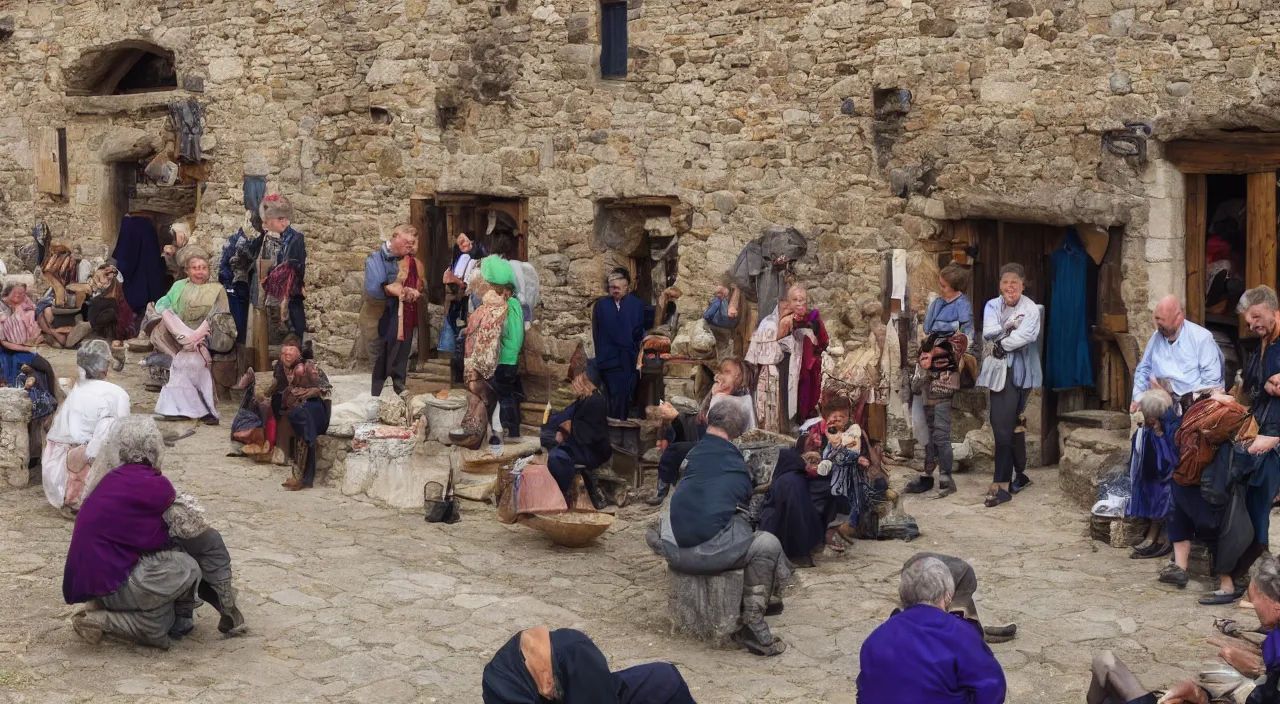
(785, 326)
(1185, 692)
(1263, 444)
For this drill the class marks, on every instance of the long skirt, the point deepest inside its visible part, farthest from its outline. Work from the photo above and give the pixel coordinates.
(791, 514)
(64, 473)
(189, 393)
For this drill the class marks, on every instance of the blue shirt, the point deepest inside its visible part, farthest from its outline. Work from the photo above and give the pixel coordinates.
(1191, 363)
(380, 269)
(716, 482)
(924, 655)
(950, 316)
(718, 314)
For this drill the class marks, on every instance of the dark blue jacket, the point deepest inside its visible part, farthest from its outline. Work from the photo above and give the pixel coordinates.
(617, 329)
(716, 482)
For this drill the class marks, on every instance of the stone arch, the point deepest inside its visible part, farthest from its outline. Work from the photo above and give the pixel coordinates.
(123, 67)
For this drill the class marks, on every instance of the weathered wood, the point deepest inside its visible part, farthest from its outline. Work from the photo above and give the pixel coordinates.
(1260, 234)
(1260, 153)
(50, 162)
(1197, 231)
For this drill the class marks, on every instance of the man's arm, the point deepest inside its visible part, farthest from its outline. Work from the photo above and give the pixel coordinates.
(991, 327)
(373, 278)
(1026, 332)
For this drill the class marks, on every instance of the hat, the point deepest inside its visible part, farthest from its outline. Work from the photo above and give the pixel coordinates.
(497, 270)
(275, 206)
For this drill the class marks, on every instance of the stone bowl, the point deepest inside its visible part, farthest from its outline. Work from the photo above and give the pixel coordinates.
(574, 529)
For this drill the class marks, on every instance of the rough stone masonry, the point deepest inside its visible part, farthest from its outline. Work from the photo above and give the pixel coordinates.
(748, 112)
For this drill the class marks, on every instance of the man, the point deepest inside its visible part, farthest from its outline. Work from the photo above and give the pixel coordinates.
(1181, 352)
(966, 584)
(383, 284)
(617, 324)
(707, 531)
(1113, 682)
(287, 262)
(925, 655)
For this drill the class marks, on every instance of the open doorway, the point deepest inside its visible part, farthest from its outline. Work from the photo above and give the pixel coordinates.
(638, 236)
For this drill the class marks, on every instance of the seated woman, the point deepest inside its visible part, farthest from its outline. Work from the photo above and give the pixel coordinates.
(107, 312)
(732, 385)
(20, 366)
(301, 389)
(182, 333)
(790, 510)
(80, 427)
(580, 434)
(122, 560)
(565, 667)
(836, 465)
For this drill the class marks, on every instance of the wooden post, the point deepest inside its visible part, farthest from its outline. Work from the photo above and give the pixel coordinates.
(1197, 226)
(1260, 234)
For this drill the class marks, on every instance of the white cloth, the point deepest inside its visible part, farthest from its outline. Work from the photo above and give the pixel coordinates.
(83, 419)
(189, 393)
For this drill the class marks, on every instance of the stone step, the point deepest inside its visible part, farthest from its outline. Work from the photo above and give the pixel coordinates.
(1089, 455)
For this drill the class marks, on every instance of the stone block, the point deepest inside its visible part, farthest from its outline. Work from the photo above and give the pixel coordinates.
(441, 414)
(484, 462)
(981, 455)
(15, 413)
(1088, 456)
(392, 470)
(706, 607)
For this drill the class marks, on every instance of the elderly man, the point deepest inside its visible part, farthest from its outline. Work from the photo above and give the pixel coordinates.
(617, 324)
(925, 655)
(282, 261)
(707, 532)
(1179, 352)
(1114, 683)
(393, 283)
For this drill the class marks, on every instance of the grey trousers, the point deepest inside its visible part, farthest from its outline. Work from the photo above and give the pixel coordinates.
(143, 609)
(210, 553)
(937, 452)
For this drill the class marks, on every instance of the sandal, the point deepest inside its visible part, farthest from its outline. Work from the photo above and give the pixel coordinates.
(1219, 597)
(834, 542)
(1001, 496)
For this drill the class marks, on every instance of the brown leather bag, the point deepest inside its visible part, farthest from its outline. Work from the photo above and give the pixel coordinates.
(1206, 425)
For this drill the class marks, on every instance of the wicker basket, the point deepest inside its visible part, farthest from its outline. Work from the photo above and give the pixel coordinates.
(571, 530)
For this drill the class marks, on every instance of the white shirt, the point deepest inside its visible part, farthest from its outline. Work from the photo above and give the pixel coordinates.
(90, 402)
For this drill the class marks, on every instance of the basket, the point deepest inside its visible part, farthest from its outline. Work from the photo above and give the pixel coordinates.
(575, 529)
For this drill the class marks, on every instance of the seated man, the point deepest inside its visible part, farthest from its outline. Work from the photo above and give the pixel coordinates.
(707, 531)
(925, 655)
(301, 389)
(1113, 683)
(564, 666)
(966, 582)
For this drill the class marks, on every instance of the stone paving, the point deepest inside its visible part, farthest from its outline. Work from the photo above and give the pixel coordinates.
(347, 601)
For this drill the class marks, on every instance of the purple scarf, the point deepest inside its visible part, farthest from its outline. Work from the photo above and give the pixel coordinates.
(120, 521)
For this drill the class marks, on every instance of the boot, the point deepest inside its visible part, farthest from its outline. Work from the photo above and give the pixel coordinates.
(999, 634)
(117, 353)
(920, 484)
(232, 619)
(946, 486)
(755, 635)
(593, 490)
(183, 623)
(660, 495)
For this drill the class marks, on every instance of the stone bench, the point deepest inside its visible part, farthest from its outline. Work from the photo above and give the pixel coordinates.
(1093, 445)
(706, 607)
(392, 470)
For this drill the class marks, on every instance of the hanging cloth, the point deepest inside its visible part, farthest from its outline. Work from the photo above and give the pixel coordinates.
(1069, 363)
(188, 122)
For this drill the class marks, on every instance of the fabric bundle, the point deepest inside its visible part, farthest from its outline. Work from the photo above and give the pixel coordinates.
(1205, 426)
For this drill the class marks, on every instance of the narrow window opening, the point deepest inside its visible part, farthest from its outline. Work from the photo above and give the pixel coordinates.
(380, 116)
(613, 40)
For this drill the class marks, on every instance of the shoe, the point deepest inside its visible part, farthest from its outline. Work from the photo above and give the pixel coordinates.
(593, 491)
(1219, 597)
(660, 495)
(495, 446)
(1156, 550)
(210, 419)
(833, 541)
(774, 608)
(1000, 497)
(182, 625)
(232, 620)
(291, 484)
(805, 562)
(1019, 483)
(86, 629)
(946, 486)
(748, 640)
(1175, 575)
(919, 485)
(999, 634)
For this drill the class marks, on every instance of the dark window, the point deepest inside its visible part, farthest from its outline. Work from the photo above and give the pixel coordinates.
(613, 39)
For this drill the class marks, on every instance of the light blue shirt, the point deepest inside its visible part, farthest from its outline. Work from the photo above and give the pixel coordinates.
(1191, 363)
(1022, 345)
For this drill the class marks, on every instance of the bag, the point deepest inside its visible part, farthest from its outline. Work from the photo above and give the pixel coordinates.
(222, 333)
(1205, 426)
(944, 385)
(1218, 476)
(448, 338)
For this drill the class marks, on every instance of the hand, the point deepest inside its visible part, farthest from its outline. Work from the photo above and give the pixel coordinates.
(1133, 407)
(1247, 663)
(662, 445)
(1272, 388)
(785, 326)
(560, 436)
(1187, 692)
(733, 310)
(169, 250)
(1263, 444)
(864, 462)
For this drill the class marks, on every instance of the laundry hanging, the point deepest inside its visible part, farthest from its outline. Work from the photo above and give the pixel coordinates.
(1069, 362)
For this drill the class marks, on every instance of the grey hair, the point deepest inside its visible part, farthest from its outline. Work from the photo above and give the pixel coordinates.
(729, 417)
(1266, 575)
(1258, 296)
(926, 581)
(94, 357)
(8, 288)
(1015, 269)
(133, 439)
(1154, 403)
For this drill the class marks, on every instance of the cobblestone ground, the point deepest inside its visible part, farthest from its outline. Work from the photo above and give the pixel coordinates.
(350, 602)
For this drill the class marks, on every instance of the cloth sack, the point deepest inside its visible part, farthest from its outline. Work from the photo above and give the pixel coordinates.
(1205, 426)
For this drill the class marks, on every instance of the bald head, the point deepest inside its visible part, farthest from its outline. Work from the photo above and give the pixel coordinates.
(1169, 317)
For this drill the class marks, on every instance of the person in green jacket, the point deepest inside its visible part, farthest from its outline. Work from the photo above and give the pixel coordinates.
(506, 378)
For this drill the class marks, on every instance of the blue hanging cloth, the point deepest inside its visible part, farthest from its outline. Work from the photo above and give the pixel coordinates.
(1069, 362)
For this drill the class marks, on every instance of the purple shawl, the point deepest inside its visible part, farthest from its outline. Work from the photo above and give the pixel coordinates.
(120, 521)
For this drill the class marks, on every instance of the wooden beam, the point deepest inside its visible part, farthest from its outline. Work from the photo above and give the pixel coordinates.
(1197, 229)
(123, 66)
(1260, 233)
(1257, 154)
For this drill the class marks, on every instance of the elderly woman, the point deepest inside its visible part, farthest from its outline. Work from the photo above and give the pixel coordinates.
(733, 386)
(564, 666)
(185, 314)
(19, 334)
(617, 324)
(80, 427)
(506, 379)
(804, 326)
(483, 351)
(301, 390)
(769, 354)
(107, 311)
(578, 437)
(140, 546)
(1011, 327)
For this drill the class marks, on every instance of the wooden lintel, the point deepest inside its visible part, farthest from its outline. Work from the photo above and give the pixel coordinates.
(1256, 154)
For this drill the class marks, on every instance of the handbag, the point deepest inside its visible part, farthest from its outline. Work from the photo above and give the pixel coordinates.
(448, 338)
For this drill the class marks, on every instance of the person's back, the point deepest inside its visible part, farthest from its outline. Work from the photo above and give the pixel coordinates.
(715, 483)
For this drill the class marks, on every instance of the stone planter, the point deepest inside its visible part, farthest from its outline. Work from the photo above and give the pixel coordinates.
(392, 470)
(442, 414)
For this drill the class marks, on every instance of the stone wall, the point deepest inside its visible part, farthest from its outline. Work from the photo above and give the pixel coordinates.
(749, 112)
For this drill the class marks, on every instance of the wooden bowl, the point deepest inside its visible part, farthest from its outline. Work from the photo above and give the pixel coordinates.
(574, 529)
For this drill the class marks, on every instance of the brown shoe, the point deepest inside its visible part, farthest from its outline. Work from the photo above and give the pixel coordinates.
(847, 532)
(291, 484)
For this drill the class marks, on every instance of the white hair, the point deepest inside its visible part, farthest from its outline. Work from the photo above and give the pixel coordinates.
(926, 581)
(1258, 296)
(94, 357)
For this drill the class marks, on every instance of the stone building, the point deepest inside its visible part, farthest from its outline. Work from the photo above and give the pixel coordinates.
(869, 125)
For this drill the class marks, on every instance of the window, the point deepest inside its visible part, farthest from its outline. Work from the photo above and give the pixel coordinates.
(613, 40)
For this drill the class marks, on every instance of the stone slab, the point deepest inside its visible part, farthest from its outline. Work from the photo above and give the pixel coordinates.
(706, 607)
(1089, 455)
(393, 471)
(483, 462)
(1105, 420)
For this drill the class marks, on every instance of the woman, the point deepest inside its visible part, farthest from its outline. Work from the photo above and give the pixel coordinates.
(837, 471)
(617, 325)
(767, 352)
(540, 666)
(809, 335)
(506, 379)
(21, 366)
(732, 385)
(1011, 369)
(106, 309)
(1153, 455)
(185, 314)
(301, 390)
(466, 256)
(582, 433)
(483, 350)
(80, 427)
(790, 511)
(122, 560)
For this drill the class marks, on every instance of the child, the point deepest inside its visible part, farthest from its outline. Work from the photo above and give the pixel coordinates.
(935, 381)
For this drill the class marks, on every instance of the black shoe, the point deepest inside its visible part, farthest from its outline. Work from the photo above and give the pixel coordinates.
(774, 608)
(182, 625)
(1019, 483)
(1219, 597)
(1000, 497)
(1156, 550)
(1175, 575)
(919, 485)
(660, 495)
(999, 634)
(748, 640)
(946, 486)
